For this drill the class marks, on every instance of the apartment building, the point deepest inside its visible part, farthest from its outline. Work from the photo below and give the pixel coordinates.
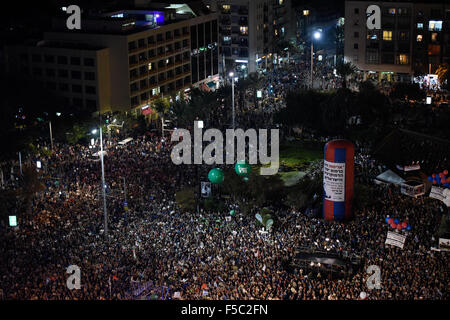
(78, 72)
(127, 58)
(413, 39)
(247, 31)
(328, 19)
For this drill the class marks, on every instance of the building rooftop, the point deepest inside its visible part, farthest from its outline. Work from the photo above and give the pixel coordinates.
(134, 20)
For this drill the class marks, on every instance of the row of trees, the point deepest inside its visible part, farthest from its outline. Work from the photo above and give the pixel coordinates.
(328, 113)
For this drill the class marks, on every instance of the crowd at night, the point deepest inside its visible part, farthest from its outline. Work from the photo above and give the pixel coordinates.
(363, 165)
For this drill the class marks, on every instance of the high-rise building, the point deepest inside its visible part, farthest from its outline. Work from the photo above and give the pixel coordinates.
(327, 18)
(123, 60)
(248, 31)
(413, 39)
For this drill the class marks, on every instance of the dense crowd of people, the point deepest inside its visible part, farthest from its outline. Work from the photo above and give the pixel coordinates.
(156, 241)
(153, 246)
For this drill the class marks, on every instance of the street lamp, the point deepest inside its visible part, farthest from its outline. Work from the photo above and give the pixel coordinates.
(103, 180)
(232, 96)
(317, 36)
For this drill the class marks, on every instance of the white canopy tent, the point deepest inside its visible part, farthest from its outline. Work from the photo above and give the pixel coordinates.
(123, 142)
(390, 177)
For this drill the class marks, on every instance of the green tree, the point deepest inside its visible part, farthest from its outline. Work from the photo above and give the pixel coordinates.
(407, 91)
(77, 133)
(443, 73)
(371, 105)
(345, 69)
(336, 110)
(253, 82)
(186, 199)
(162, 107)
(303, 109)
(30, 186)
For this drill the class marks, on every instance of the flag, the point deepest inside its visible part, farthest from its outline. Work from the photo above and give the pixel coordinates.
(115, 277)
(204, 286)
(205, 293)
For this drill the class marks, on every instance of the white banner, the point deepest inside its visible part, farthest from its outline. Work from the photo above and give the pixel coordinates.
(334, 181)
(444, 244)
(395, 239)
(412, 167)
(437, 193)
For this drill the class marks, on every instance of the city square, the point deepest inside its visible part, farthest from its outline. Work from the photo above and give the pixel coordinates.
(226, 150)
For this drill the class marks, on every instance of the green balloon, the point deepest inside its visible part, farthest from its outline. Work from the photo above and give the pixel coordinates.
(242, 168)
(216, 176)
(232, 213)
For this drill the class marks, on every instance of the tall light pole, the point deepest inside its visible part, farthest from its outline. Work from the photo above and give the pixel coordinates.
(317, 35)
(232, 96)
(103, 180)
(51, 135)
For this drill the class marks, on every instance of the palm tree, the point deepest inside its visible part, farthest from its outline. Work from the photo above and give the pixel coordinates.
(255, 80)
(30, 186)
(280, 46)
(443, 73)
(162, 106)
(345, 70)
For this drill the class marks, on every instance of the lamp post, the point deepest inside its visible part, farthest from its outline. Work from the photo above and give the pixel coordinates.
(51, 134)
(316, 36)
(232, 96)
(103, 180)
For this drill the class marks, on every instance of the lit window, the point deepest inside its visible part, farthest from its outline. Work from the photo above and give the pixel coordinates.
(419, 38)
(276, 32)
(435, 25)
(280, 2)
(387, 35)
(306, 12)
(371, 35)
(244, 30)
(226, 7)
(420, 26)
(434, 36)
(403, 59)
(150, 66)
(391, 11)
